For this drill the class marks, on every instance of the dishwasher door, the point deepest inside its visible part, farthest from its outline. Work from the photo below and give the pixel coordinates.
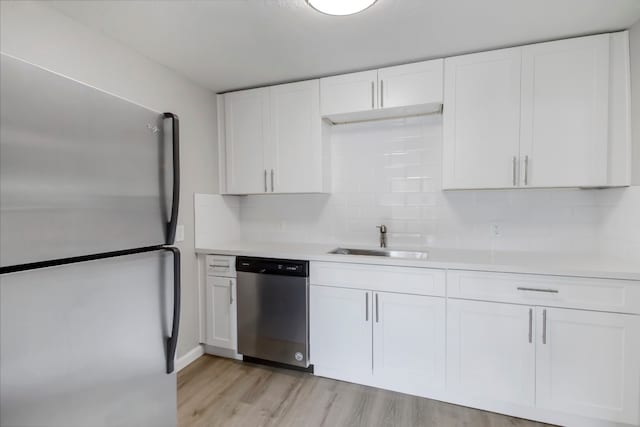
(273, 318)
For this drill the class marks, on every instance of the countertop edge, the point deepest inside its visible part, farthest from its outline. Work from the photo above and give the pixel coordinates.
(441, 265)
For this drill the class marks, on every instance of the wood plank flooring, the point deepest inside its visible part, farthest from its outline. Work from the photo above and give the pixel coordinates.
(214, 391)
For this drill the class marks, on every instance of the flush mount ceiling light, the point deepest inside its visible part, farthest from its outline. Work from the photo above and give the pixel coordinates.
(340, 7)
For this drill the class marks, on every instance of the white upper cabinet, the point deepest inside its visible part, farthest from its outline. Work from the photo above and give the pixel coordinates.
(388, 92)
(588, 363)
(546, 115)
(246, 132)
(295, 153)
(551, 114)
(411, 84)
(565, 99)
(349, 93)
(273, 140)
(481, 122)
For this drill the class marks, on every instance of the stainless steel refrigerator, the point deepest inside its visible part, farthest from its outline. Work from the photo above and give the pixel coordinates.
(89, 288)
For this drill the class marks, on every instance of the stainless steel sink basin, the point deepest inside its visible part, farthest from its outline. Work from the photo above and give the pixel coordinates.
(389, 253)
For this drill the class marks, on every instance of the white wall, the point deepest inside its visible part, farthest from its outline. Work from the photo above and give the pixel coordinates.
(390, 172)
(41, 35)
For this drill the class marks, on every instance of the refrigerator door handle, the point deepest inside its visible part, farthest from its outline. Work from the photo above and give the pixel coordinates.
(175, 201)
(172, 340)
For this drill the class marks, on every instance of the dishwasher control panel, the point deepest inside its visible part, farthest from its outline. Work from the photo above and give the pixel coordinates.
(282, 267)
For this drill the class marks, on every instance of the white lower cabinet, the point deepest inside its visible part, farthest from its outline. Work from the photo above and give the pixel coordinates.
(408, 342)
(548, 348)
(575, 362)
(340, 333)
(221, 319)
(393, 341)
(588, 363)
(491, 354)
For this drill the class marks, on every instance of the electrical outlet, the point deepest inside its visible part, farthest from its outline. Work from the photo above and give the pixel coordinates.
(180, 233)
(495, 229)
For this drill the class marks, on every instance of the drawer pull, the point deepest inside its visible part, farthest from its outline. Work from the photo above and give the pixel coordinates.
(219, 265)
(549, 291)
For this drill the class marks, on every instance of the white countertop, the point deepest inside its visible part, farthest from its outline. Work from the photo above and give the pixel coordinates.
(512, 262)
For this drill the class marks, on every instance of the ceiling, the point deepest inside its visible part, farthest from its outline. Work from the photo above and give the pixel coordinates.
(233, 44)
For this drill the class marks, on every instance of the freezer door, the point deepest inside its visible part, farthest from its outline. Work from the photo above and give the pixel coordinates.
(81, 171)
(83, 345)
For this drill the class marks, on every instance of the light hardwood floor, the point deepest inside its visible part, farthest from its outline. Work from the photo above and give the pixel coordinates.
(214, 391)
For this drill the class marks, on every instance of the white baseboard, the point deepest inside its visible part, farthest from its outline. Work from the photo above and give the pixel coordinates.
(222, 352)
(189, 358)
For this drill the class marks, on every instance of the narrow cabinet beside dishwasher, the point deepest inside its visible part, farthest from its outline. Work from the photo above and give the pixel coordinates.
(220, 305)
(362, 334)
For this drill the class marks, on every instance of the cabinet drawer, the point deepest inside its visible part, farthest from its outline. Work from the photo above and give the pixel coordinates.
(621, 296)
(420, 281)
(221, 265)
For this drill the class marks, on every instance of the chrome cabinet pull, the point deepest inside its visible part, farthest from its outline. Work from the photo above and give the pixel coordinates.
(381, 93)
(513, 167)
(550, 291)
(372, 96)
(530, 325)
(219, 265)
(265, 181)
(272, 180)
(377, 311)
(230, 291)
(366, 303)
(544, 326)
(526, 170)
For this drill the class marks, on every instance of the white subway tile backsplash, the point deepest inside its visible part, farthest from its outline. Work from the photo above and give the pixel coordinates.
(390, 172)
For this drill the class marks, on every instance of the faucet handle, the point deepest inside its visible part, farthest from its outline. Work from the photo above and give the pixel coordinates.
(382, 227)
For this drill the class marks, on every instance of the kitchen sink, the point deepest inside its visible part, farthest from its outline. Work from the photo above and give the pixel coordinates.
(389, 253)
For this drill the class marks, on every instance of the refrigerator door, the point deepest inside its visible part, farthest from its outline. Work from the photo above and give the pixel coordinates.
(83, 345)
(81, 171)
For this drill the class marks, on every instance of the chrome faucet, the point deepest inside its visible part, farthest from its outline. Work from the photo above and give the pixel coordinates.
(383, 235)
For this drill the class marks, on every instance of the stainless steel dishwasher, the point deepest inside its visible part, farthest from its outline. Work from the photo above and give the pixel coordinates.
(273, 310)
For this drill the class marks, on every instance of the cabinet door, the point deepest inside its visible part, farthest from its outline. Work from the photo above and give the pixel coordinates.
(349, 93)
(294, 152)
(588, 363)
(490, 351)
(340, 333)
(408, 342)
(246, 131)
(411, 84)
(221, 312)
(481, 120)
(565, 95)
